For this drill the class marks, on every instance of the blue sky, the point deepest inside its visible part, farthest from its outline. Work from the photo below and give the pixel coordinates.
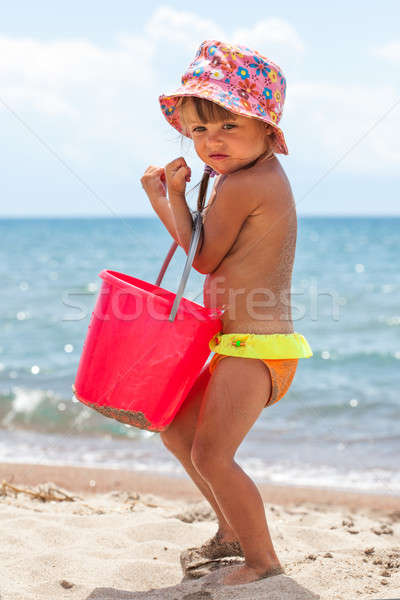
(80, 118)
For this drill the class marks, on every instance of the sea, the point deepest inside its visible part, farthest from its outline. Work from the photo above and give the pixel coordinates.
(338, 425)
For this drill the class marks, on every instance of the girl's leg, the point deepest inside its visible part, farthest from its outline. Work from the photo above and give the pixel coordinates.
(234, 398)
(178, 438)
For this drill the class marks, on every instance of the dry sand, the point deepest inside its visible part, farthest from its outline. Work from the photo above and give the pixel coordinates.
(120, 534)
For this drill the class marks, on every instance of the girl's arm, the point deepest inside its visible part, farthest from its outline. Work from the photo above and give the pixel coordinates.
(164, 211)
(183, 224)
(237, 199)
(155, 188)
(182, 219)
(177, 174)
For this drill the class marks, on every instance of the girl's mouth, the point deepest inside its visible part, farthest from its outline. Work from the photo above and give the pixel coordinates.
(218, 156)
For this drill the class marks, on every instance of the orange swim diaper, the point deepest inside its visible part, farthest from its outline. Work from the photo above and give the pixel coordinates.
(278, 351)
(282, 372)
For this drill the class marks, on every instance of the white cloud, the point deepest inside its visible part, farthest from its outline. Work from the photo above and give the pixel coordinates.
(268, 34)
(42, 101)
(389, 51)
(99, 108)
(181, 28)
(82, 94)
(331, 121)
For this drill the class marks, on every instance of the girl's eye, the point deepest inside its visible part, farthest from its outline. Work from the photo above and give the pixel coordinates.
(225, 124)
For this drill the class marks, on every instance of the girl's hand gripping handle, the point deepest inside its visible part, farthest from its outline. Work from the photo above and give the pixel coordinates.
(153, 183)
(177, 173)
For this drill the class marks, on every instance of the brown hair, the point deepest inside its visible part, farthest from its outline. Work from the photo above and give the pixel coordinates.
(207, 112)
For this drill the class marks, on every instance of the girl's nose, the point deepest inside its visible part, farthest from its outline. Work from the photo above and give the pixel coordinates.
(215, 143)
(213, 136)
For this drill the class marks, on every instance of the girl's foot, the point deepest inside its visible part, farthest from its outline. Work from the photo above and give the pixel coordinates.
(239, 575)
(214, 548)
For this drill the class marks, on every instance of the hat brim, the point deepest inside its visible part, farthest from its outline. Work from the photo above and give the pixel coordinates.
(168, 104)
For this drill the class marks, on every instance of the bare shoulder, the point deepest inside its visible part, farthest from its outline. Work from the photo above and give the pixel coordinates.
(263, 189)
(240, 187)
(267, 179)
(274, 193)
(237, 181)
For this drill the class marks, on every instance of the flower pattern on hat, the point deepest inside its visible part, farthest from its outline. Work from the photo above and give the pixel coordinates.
(236, 77)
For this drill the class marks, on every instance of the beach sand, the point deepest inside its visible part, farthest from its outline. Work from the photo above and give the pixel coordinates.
(117, 535)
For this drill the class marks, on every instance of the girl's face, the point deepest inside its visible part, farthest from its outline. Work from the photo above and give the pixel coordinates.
(241, 139)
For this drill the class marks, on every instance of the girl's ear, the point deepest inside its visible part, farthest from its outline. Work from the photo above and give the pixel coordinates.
(268, 129)
(270, 132)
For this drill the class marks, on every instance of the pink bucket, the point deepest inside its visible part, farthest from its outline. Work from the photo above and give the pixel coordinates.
(145, 347)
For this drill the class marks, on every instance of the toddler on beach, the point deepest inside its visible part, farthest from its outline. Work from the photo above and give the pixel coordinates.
(229, 104)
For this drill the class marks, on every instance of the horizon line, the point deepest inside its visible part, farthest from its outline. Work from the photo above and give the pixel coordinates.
(145, 216)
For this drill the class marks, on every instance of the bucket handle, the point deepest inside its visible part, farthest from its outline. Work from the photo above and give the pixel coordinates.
(194, 242)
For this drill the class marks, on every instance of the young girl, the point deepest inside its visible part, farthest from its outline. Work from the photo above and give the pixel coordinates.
(229, 104)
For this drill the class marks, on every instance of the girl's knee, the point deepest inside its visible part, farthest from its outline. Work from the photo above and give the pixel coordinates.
(206, 461)
(201, 462)
(175, 442)
(178, 437)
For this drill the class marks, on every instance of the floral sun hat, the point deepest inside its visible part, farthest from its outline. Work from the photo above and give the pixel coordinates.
(237, 78)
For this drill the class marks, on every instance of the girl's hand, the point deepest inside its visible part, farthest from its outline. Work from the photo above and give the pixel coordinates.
(177, 173)
(153, 183)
